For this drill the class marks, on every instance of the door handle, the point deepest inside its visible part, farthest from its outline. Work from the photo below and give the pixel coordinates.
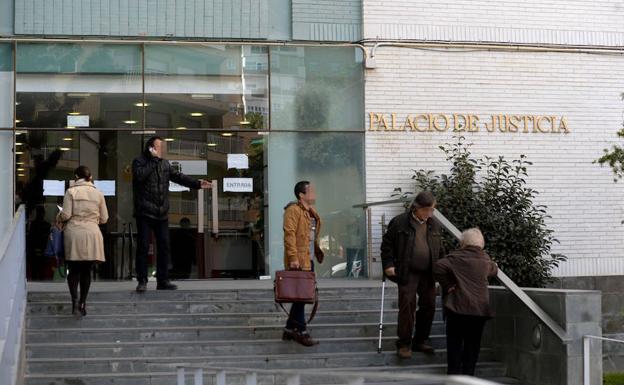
(215, 207)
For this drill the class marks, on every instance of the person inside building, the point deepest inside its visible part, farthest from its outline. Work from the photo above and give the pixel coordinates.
(150, 184)
(84, 209)
(463, 276)
(409, 248)
(302, 226)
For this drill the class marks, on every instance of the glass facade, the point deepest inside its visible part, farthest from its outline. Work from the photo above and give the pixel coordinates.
(6, 137)
(267, 116)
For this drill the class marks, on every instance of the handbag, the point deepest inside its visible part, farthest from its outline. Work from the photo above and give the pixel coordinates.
(56, 248)
(296, 286)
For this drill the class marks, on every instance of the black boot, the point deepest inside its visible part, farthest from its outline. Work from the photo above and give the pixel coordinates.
(82, 306)
(75, 309)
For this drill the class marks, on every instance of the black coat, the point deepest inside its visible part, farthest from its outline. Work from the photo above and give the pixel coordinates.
(150, 184)
(398, 241)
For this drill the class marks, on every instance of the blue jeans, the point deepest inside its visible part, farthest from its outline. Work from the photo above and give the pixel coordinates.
(297, 314)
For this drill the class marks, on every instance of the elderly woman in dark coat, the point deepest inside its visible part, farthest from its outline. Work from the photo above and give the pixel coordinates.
(463, 275)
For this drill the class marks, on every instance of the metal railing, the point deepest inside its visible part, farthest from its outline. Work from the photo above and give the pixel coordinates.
(501, 276)
(293, 376)
(586, 355)
(12, 296)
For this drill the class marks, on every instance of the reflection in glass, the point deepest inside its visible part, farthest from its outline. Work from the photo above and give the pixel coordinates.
(334, 162)
(317, 88)
(6, 86)
(206, 87)
(99, 82)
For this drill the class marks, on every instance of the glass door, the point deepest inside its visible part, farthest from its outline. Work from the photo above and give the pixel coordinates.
(217, 233)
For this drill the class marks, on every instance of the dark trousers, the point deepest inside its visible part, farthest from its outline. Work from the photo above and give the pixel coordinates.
(420, 283)
(297, 315)
(79, 274)
(161, 232)
(463, 342)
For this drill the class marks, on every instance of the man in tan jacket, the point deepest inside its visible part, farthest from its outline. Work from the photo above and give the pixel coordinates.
(302, 225)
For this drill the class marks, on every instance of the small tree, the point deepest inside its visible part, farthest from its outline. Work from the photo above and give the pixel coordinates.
(614, 157)
(491, 193)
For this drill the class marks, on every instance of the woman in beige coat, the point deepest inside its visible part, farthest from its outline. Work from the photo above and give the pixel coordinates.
(84, 209)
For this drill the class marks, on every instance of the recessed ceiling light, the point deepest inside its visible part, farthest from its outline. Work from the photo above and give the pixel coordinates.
(68, 139)
(18, 121)
(21, 175)
(19, 132)
(211, 144)
(70, 127)
(180, 128)
(21, 169)
(74, 113)
(18, 103)
(244, 122)
(19, 153)
(130, 121)
(19, 144)
(226, 134)
(141, 104)
(197, 114)
(19, 163)
(64, 148)
(169, 139)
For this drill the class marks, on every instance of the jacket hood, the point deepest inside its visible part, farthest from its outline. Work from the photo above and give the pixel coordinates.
(290, 204)
(469, 252)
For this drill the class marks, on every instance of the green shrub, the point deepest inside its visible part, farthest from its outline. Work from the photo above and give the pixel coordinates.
(613, 379)
(491, 193)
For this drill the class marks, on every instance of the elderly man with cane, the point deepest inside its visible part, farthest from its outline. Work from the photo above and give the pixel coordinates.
(409, 250)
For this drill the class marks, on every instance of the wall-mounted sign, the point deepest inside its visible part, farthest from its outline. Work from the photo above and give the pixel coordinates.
(469, 123)
(107, 187)
(77, 120)
(238, 184)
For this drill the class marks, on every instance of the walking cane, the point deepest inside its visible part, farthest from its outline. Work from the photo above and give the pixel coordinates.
(383, 292)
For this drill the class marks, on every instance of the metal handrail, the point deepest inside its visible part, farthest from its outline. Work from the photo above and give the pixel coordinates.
(502, 277)
(586, 340)
(294, 375)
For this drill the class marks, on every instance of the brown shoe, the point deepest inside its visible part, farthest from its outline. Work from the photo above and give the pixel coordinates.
(288, 335)
(305, 339)
(404, 352)
(423, 347)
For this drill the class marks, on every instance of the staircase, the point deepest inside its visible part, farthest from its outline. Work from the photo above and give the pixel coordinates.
(132, 339)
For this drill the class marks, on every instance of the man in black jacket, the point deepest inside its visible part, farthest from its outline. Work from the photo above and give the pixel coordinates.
(150, 182)
(409, 248)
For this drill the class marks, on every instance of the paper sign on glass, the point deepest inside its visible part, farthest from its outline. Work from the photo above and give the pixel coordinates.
(239, 161)
(78, 120)
(53, 188)
(174, 187)
(107, 187)
(238, 184)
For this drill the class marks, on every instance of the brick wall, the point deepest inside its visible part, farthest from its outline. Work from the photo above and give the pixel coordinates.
(585, 205)
(575, 22)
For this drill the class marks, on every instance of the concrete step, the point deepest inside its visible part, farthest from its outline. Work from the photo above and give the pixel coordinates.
(96, 308)
(210, 347)
(484, 370)
(154, 320)
(206, 295)
(261, 361)
(194, 333)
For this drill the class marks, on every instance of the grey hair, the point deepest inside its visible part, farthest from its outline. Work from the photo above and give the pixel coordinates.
(472, 237)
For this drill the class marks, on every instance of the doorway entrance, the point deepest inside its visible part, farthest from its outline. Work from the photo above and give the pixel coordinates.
(214, 234)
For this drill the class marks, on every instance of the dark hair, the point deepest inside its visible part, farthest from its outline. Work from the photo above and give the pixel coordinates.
(423, 199)
(83, 172)
(150, 143)
(301, 188)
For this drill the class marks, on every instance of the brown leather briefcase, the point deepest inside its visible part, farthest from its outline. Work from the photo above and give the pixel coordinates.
(296, 286)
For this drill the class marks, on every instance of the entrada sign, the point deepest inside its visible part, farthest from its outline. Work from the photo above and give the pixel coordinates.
(469, 123)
